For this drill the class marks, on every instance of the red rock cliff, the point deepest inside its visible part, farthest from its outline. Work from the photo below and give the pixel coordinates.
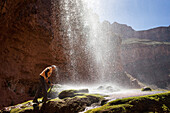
(25, 46)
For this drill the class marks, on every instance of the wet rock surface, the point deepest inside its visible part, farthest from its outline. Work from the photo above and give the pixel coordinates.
(151, 102)
(69, 105)
(146, 89)
(72, 93)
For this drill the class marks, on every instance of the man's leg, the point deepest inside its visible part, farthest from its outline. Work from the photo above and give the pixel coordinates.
(37, 94)
(44, 89)
(39, 91)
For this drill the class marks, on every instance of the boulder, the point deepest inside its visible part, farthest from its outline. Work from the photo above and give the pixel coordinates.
(108, 88)
(111, 89)
(52, 94)
(100, 88)
(146, 89)
(72, 93)
(71, 105)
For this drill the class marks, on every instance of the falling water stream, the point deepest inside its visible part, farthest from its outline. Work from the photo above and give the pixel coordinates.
(90, 50)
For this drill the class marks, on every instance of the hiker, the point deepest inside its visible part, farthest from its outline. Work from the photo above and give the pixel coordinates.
(44, 80)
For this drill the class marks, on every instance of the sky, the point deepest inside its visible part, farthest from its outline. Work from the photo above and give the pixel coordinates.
(139, 14)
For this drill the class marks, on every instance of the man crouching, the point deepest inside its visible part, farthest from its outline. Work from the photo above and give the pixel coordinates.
(43, 81)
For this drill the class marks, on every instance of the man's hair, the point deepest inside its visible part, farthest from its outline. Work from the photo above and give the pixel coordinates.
(53, 66)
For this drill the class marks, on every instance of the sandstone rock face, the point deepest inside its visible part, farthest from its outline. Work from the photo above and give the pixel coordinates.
(25, 38)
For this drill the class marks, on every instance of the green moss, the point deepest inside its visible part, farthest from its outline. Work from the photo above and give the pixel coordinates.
(165, 108)
(24, 103)
(111, 109)
(56, 99)
(18, 110)
(95, 95)
(90, 95)
(80, 96)
(69, 91)
(15, 110)
(151, 103)
(30, 101)
(23, 106)
(24, 109)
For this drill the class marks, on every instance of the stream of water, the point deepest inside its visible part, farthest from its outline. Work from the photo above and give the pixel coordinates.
(91, 48)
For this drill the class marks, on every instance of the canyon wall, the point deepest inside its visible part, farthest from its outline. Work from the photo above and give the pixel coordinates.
(146, 54)
(149, 62)
(25, 46)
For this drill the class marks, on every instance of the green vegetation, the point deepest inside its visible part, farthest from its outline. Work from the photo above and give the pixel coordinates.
(79, 101)
(15, 110)
(24, 109)
(23, 106)
(149, 103)
(72, 93)
(100, 97)
(55, 99)
(18, 110)
(143, 104)
(142, 41)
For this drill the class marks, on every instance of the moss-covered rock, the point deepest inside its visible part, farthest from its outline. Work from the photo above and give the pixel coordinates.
(71, 105)
(146, 89)
(153, 103)
(72, 93)
(26, 107)
(52, 93)
(67, 105)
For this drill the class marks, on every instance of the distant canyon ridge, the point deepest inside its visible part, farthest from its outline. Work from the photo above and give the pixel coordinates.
(32, 37)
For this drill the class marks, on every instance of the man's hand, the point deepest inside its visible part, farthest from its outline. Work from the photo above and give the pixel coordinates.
(51, 85)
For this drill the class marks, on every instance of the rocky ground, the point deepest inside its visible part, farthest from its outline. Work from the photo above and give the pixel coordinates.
(75, 101)
(159, 103)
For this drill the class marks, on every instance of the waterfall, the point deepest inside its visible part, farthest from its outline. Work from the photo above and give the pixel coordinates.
(89, 44)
